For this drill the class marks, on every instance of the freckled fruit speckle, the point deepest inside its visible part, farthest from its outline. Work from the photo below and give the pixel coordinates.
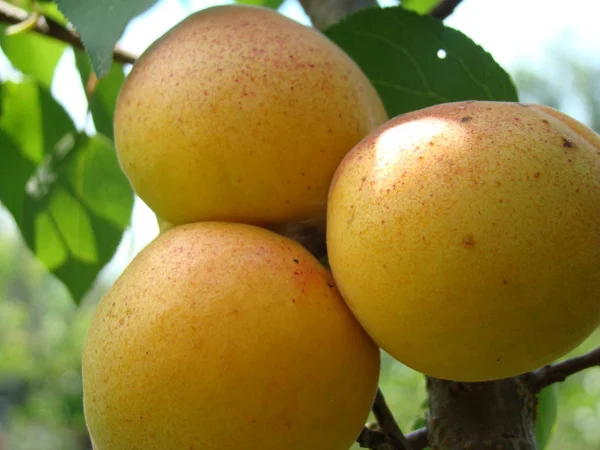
(479, 257)
(241, 114)
(226, 336)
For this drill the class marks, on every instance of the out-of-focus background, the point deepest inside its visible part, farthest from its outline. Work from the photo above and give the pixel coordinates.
(552, 50)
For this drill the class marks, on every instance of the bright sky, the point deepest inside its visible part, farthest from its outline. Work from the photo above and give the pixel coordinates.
(516, 32)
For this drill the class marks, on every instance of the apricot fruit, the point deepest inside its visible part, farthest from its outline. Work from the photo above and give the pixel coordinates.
(226, 336)
(240, 114)
(465, 237)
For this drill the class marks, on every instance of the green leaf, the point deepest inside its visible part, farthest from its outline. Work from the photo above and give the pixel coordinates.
(419, 6)
(50, 10)
(97, 179)
(33, 119)
(547, 413)
(33, 54)
(75, 222)
(104, 97)
(16, 171)
(100, 24)
(273, 4)
(400, 51)
(65, 190)
(21, 119)
(419, 422)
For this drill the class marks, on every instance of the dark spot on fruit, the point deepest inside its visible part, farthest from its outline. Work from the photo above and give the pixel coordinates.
(296, 261)
(468, 241)
(293, 300)
(545, 121)
(331, 285)
(498, 360)
(536, 175)
(504, 281)
(466, 119)
(568, 144)
(577, 191)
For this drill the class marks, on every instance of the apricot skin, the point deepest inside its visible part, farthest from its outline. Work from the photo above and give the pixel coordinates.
(229, 336)
(240, 114)
(465, 237)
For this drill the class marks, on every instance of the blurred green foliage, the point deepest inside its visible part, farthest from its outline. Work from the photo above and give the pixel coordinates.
(41, 336)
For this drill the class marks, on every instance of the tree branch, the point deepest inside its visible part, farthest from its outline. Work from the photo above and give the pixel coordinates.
(444, 9)
(324, 13)
(48, 27)
(558, 372)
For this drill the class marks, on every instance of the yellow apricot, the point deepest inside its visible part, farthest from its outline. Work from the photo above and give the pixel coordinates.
(240, 114)
(226, 336)
(465, 237)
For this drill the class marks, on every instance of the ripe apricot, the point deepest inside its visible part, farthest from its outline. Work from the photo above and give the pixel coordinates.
(465, 237)
(226, 336)
(240, 114)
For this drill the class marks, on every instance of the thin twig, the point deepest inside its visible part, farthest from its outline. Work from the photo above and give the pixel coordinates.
(372, 437)
(48, 27)
(444, 9)
(388, 425)
(558, 372)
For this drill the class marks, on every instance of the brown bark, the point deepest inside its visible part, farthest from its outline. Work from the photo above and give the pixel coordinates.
(495, 415)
